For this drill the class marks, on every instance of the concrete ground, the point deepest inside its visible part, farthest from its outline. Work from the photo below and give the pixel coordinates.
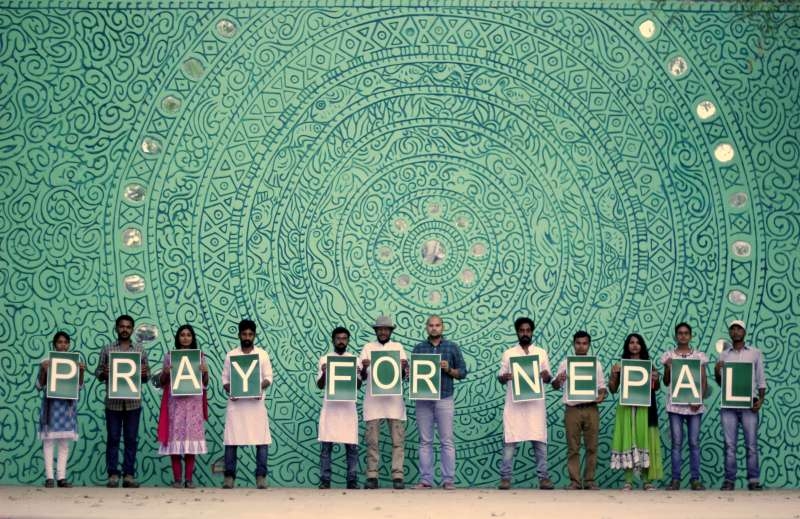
(286, 503)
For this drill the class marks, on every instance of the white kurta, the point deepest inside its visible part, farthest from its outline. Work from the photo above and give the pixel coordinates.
(377, 407)
(524, 421)
(246, 420)
(338, 421)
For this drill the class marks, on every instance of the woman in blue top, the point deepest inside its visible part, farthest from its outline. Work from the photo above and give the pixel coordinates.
(58, 420)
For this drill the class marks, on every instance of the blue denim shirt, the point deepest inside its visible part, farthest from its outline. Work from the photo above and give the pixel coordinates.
(449, 352)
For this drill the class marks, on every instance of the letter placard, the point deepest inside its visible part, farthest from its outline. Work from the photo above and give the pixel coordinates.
(426, 376)
(526, 381)
(737, 385)
(386, 374)
(186, 378)
(635, 382)
(245, 376)
(581, 378)
(125, 375)
(341, 382)
(63, 375)
(686, 383)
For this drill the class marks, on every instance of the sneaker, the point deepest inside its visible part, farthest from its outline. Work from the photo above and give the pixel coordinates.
(727, 485)
(546, 484)
(50, 483)
(113, 481)
(398, 484)
(449, 486)
(189, 484)
(261, 482)
(129, 482)
(63, 483)
(177, 484)
(324, 484)
(423, 486)
(626, 487)
(674, 485)
(647, 486)
(573, 486)
(227, 483)
(352, 485)
(696, 484)
(755, 485)
(371, 484)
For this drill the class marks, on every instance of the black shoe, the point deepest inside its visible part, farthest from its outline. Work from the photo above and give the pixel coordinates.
(755, 485)
(50, 483)
(63, 483)
(371, 484)
(129, 482)
(352, 485)
(324, 484)
(398, 484)
(727, 485)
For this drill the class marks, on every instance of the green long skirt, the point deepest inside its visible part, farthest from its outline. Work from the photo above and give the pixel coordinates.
(636, 445)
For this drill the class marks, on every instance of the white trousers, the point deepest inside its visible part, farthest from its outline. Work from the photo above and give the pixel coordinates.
(49, 446)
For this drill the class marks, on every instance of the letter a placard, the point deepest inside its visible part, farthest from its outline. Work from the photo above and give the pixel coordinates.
(526, 382)
(425, 380)
(635, 382)
(185, 375)
(63, 375)
(125, 375)
(245, 376)
(386, 374)
(341, 379)
(686, 384)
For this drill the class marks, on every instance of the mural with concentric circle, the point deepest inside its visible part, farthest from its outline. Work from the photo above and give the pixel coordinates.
(595, 168)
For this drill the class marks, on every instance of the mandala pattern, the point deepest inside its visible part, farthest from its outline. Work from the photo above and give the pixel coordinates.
(609, 169)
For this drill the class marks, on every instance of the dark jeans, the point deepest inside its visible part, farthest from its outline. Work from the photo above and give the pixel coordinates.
(351, 451)
(261, 460)
(122, 424)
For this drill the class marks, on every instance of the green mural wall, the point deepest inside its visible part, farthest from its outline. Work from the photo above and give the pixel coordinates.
(613, 166)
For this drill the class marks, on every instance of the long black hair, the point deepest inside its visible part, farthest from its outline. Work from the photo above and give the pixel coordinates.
(626, 349)
(652, 411)
(193, 345)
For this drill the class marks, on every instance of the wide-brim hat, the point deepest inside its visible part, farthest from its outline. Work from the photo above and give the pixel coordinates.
(383, 321)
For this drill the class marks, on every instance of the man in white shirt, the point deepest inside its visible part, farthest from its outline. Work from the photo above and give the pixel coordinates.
(246, 420)
(376, 409)
(338, 421)
(581, 418)
(524, 421)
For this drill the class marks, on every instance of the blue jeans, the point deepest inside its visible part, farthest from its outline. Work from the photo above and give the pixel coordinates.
(731, 419)
(261, 460)
(351, 451)
(676, 422)
(123, 424)
(539, 450)
(439, 413)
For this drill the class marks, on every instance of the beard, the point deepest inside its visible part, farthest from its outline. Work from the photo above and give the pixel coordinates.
(525, 340)
(246, 343)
